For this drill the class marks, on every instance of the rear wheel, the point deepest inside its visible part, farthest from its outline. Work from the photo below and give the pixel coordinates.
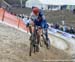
(46, 42)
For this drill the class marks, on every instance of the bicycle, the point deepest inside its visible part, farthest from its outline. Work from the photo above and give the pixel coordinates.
(34, 40)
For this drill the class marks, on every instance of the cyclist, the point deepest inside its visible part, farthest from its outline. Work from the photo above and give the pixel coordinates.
(38, 19)
(35, 13)
(42, 23)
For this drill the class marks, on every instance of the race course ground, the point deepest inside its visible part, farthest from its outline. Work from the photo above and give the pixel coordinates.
(14, 47)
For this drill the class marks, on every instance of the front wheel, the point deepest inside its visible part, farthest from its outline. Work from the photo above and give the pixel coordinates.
(46, 42)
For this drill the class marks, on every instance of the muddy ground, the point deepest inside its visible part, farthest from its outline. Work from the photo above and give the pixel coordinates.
(14, 47)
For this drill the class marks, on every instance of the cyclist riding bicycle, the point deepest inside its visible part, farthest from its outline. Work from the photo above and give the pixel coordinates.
(39, 20)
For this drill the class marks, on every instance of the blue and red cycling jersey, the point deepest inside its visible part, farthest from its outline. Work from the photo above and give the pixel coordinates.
(43, 24)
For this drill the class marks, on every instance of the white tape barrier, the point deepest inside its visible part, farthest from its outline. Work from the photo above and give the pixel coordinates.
(62, 33)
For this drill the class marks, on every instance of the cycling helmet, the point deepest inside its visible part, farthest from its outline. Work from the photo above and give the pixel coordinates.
(35, 10)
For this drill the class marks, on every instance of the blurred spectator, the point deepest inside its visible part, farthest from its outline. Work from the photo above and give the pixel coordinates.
(56, 26)
(61, 28)
(26, 20)
(73, 11)
(20, 15)
(71, 30)
(65, 29)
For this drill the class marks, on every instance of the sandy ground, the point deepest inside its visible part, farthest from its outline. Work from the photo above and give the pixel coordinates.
(14, 47)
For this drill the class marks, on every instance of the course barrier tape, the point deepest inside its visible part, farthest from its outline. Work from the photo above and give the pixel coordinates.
(61, 32)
